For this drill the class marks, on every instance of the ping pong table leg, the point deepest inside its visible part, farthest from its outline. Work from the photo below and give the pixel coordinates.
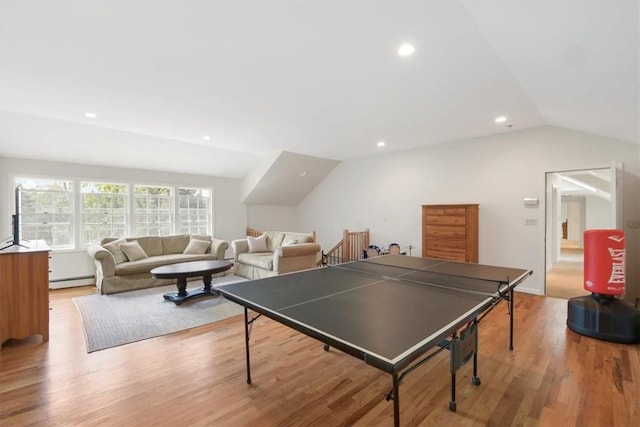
(246, 336)
(475, 380)
(452, 403)
(511, 292)
(396, 400)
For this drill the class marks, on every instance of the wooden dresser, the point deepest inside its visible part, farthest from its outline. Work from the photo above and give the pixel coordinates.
(450, 232)
(24, 291)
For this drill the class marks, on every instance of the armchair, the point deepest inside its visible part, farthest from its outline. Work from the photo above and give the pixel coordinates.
(283, 252)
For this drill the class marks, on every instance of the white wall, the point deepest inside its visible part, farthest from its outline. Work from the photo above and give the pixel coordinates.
(384, 193)
(274, 218)
(6, 202)
(230, 215)
(574, 210)
(598, 213)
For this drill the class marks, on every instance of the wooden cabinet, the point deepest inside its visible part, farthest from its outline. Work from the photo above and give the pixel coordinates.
(450, 232)
(24, 291)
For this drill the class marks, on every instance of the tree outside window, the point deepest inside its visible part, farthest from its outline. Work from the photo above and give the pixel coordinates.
(194, 210)
(103, 210)
(47, 211)
(108, 209)
(153, 210)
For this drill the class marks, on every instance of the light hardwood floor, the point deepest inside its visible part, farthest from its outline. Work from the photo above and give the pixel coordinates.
(553, 377)
(565, 279)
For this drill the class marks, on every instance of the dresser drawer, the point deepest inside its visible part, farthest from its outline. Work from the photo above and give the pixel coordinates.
(445, 231)
(446, 220)
(452, 255)
(452, 245)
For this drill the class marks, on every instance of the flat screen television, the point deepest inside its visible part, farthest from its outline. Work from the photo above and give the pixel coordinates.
(15, 220)
(16, 216)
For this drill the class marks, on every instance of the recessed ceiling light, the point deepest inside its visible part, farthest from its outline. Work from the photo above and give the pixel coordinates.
(406, 49)
(380, 143)
(501, 119)
(206, 137)
(303, 173)
(90, 115)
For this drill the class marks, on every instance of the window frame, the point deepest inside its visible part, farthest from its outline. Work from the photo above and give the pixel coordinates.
(134, 209)
(76, 219)
(82, 224)
(209, 210)
(15, 180)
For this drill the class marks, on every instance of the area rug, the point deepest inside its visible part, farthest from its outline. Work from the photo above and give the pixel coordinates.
(117, 319)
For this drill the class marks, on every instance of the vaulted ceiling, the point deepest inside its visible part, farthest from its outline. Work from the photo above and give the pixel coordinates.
(317, 78)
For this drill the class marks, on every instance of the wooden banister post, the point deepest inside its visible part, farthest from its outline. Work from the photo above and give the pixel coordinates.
(366, 239)
(346, 246)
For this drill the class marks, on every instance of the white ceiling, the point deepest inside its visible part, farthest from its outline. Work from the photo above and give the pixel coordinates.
(593, 182)
(318, 78)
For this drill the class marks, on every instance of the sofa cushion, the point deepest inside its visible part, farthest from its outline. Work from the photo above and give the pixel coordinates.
(147, 264)
(202, 237)
(274, 240)
(289, 242)
(116, 251)
(298, 237)
(174, 244)
(133, 250)
(152, 245)
(262, 260)
(196, 246)
(257, 244)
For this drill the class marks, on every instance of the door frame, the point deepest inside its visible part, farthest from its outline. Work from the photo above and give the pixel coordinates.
(551, 251)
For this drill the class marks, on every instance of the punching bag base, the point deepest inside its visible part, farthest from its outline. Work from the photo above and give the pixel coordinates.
(604, 317)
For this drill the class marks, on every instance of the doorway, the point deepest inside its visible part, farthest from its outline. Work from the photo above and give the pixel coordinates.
(576, 200)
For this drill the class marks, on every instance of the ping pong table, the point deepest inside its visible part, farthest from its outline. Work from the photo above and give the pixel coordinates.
(394, 312)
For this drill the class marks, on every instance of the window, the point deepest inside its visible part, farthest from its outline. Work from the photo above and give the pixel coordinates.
(194, 211)
(153, 210)
(47, 211)
(104, 211)
(73, 213)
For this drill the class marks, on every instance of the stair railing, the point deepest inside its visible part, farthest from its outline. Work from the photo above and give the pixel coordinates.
(350, 248)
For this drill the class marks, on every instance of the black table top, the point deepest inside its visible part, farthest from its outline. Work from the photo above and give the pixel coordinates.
(385, 310)
(190, 269)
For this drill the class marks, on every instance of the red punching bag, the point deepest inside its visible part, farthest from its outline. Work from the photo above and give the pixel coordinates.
(604, 262)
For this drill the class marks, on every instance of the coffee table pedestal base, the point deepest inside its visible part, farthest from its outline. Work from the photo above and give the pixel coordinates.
(183, 294)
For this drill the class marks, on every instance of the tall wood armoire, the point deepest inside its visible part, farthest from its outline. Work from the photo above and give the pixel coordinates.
(450, 232)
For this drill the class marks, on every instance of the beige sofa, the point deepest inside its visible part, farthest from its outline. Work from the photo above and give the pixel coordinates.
(284, 252)
(117, 273)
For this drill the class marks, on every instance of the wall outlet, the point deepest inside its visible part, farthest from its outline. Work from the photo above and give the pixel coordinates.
(531, 221)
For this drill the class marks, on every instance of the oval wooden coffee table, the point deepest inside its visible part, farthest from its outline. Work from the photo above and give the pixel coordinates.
(184, 270)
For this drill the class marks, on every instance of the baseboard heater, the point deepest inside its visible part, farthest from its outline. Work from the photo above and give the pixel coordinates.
(69, 279)
(72, 282)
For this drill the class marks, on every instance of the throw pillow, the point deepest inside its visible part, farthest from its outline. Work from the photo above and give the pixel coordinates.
(133, 251)
(196, 247)
(114, 248)
(257, 244)
(289, 242)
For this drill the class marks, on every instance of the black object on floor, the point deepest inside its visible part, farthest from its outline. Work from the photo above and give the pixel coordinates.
(604, 317)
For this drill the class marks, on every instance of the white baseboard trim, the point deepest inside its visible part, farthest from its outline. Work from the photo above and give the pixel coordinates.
(72, 283)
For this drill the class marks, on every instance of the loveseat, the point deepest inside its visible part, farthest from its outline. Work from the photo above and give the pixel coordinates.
(273, 253)
(125, 264)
